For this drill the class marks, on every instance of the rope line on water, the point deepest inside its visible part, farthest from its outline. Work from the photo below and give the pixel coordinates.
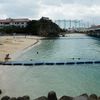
(49, 63)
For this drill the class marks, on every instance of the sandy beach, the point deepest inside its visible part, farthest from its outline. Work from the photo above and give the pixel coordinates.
(12, 45)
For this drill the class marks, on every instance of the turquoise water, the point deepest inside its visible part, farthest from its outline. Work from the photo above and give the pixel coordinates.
(39, 80)
(64, 49)
(69, 80)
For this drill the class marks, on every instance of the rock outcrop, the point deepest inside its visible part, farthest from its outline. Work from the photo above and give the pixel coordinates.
(5, 98)
(93, 97)
(41, 98)
(52, 96)
(66, 98)
(44, 27)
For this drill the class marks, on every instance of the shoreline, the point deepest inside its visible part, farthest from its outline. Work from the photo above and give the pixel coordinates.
(16, 46)
(18, 53)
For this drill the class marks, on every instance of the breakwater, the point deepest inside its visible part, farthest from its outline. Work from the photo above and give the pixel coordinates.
(53, 96)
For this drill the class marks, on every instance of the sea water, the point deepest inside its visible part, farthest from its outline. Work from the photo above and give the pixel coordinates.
(73, 46)
(69, 80)
(36, 81)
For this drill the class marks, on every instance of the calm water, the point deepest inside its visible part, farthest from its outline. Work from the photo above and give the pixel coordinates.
(65, 80)
(64, 49)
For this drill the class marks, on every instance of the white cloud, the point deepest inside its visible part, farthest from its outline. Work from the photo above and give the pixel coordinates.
(19, 8)
(55, 9)
(70, 11)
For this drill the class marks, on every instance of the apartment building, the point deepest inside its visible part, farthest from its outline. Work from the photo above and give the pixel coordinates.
(14, 22)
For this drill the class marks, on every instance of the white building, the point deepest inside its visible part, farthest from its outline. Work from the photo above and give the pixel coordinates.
(14, 22)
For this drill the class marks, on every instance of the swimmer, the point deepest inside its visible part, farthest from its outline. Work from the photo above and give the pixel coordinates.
(78, 58)
(30, 59)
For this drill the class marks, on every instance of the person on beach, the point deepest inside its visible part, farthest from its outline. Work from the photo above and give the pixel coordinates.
(7, 57)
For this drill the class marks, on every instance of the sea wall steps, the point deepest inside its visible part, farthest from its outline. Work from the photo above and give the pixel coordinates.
(48, 63)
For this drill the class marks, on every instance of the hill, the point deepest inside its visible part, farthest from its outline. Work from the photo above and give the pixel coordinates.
(43, 27)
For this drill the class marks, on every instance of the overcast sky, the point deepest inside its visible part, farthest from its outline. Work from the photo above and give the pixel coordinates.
(55, 9)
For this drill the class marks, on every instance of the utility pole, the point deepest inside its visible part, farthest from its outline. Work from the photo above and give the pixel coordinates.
(64, 24)
(70, 24)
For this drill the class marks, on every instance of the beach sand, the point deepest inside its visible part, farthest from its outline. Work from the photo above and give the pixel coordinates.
(11, 45)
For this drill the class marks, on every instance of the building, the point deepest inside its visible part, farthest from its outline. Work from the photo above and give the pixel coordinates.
(94, 30)
(46, 18)
(14, 22)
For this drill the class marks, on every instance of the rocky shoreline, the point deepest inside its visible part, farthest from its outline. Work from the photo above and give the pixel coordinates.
(52, 96)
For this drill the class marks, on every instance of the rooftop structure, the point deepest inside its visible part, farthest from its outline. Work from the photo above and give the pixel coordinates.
(45, 18)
